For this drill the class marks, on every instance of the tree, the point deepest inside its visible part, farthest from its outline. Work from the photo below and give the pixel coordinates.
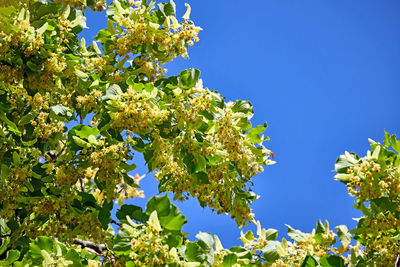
(72, 117)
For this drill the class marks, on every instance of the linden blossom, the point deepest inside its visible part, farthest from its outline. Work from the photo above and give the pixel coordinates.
(60, 176)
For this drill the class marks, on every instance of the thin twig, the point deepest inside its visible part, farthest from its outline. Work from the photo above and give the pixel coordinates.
(62, 150)
(53, 156)
(117, 223)
(397, 263)
(82, 184)
(261, 257)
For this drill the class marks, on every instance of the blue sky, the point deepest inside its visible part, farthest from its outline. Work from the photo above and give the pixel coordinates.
(325, 77)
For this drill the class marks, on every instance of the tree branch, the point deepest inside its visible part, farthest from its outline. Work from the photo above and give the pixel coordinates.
(61, 151)
(53, 156)
(92, 246)
(397, 263)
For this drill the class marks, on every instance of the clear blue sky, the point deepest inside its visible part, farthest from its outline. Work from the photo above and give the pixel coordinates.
(325, 75)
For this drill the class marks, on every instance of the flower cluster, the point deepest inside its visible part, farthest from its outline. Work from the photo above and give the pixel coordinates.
(135, 112)
(367, 179)
(375, 178)
(139, 31)
(61, 178)
(217, 149)
(98, 5)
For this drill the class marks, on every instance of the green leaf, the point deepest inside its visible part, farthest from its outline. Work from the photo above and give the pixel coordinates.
(84, 76)
(44, 242)
(16, 158)
(320, 227)
(4, 172)
(85, 131)
(105, 122)
(79, 23)
(169, 215)
(29, 186)
(12, 255)
(194, 252)
(271, 234)
(202, 250)
(270, 252)
(48, 8)
(331, 261)
(62, 111)
(229, 260)
(207, 239)
(386, 141)
(73, 256)
(254, 134)
(201, 178)
(174, 223)
(27, 118)
(32, 66)
(242, 253)
(343, 234)
(167, 9)
(188, 160)
(174, 240)
(383, 204)
(11, 125)
(295, 234)
(103, 36)
(159, 203)
(394, 143)
(131, 80)
(112, 92)
(342, 163)
(4, 244)
(249, 235)
(122, 242)
(201, 163)
(104, 217)
(189, 78)
(128, 167)
(309, 261)
(6, 18)
(244, 124)
(243, 106)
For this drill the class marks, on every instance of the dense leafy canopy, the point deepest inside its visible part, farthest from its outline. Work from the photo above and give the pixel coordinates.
(72, 117)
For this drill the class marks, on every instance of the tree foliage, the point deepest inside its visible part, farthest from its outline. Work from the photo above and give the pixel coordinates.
(73, 116)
